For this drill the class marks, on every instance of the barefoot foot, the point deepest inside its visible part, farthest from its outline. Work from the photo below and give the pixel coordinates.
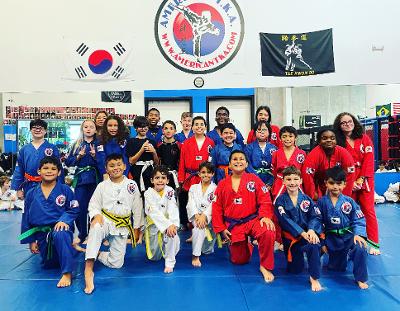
(89, 282)
(268, 276)
(362, 285)
(65, 280)
(168, 270)
(315, 285)
(374, 251)
(196, 261)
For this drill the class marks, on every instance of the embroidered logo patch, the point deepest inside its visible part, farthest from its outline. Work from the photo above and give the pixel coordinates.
(368, 149)
(251, 186)
(359, 213)
(209, 148)
(304, 205)
(60, 200)
(74, 204)
(335, 220)
(48, 152)
(310, 170)
(210, 197)
(123, 144)
(281, 210)
(170, 194)
(199, 158)
(271, 151)
(100, 148)
(346, 208)
(273, 136)
(300, 158)
(264, 189)
(351, 169)
(362, 148)
(237, 201)
(317, 210)
(131, 187)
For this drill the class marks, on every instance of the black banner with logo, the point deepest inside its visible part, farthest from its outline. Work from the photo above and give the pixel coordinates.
(294, 55)
(116, 97)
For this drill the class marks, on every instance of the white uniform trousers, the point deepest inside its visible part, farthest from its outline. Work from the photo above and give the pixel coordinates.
(200, 244)
(115, 257)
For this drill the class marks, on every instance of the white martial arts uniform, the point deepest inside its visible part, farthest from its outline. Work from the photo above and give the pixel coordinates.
(7, 199)
(200, 203)
(120, 199)
(162, 212)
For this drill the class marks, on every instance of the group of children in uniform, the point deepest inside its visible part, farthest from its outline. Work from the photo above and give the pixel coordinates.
(137, 198)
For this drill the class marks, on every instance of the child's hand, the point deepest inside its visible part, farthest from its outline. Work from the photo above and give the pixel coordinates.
(60, 226)
(34, 248)
(82, 152)
(20, 194)
(92, 150)
(313, 237)
(305, 236)
(171, 231)
(98, 219)
(201, 221)
(360, 241)
(268, 222)
(357, 185)
(149, 148)
(227, 235)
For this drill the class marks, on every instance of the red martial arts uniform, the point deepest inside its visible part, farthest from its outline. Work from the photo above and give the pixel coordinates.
(190, 159)
(363, 156)
(317, 163)
(273, 137)
(280, 162)
(237, 212)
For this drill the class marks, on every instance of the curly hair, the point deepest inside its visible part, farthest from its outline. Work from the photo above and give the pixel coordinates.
(356, 133)
(123, 132)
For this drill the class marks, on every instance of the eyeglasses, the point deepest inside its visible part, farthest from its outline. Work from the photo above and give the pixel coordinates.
(346, 122)
(262, 130)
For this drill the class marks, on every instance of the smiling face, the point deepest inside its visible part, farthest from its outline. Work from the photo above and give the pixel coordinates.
(328, 140)
(288, 139)
(100, 119)
(112, 127)
(115, 168)
(228, 136)
(153, 117)
(198, 127)
(159, 181)
(347, 124)
(292, 182)
(263, 115)
(88, 128)
(38, 132)
(238, 163)
(49, 172)
(221, 116)
(186, 123)
(205, 175)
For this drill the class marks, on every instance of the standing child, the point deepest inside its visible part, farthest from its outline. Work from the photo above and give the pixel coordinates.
(99, 120)
(154, 130)
(7, 196)
(242, 208)
(48, 220)
(199, 212)
(162, 220)
(186, 121)
(259, 153)
(221, 152)
(263, 113)
(344, 225)
(25, 174)
(111, 207)
(142, 154)
(169, 151)
(287, 155)
(297, 217)
(194, 151)
(86, 178)
(113, 140)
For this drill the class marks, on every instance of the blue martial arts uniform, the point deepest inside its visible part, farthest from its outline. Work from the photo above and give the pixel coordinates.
(108, 148)
(294, 220)
(86, 178)
(41, 212)
(180, 137)
(155, 134)
(261, 161)
(341, 223)
(218, 140)
(28, 161)
(220, 158)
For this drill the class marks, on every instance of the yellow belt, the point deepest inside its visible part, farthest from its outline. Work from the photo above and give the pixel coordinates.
(160, 237)
(120, 222)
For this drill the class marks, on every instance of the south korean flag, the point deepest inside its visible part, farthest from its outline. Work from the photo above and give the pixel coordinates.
(97, 61)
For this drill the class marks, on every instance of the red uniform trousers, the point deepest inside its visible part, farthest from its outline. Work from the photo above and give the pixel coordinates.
(241, 249)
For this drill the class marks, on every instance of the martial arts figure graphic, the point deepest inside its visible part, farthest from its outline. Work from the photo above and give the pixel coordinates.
(200, 26)
(294, 50)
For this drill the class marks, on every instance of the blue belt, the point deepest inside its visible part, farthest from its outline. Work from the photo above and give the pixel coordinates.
(238, 221)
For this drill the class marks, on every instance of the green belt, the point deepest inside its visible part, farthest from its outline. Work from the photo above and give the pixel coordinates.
(82, 170)
(341, 231)
(373, 244)
(46, 229)
(264, 171)
(120, 222)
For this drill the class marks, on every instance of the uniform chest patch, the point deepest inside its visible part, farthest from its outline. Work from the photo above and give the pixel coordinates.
(271, 151)
(368, 149)
(100, 148)
(237, 201)
(199, 158)
(48, 152)
(131, 188)
(251, 186)
(335, 220)
(317, 210)
(281, 210)
(123, 144)
(346, 208)
(310, 170)
(74, 204)
(304, 206)
(273, 136)
(209, 147)
(362, 148)
(170, 194)
(210, 197)
(264, 189)
(359, 213)
(60, 200)
(300, 158)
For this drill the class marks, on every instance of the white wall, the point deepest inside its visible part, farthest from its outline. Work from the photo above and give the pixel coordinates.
(377, 95)
(32, 48)
(72, 99)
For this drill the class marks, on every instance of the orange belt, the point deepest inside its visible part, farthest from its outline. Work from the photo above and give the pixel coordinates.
(225, 168)
(33, 178)
(293, 240)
